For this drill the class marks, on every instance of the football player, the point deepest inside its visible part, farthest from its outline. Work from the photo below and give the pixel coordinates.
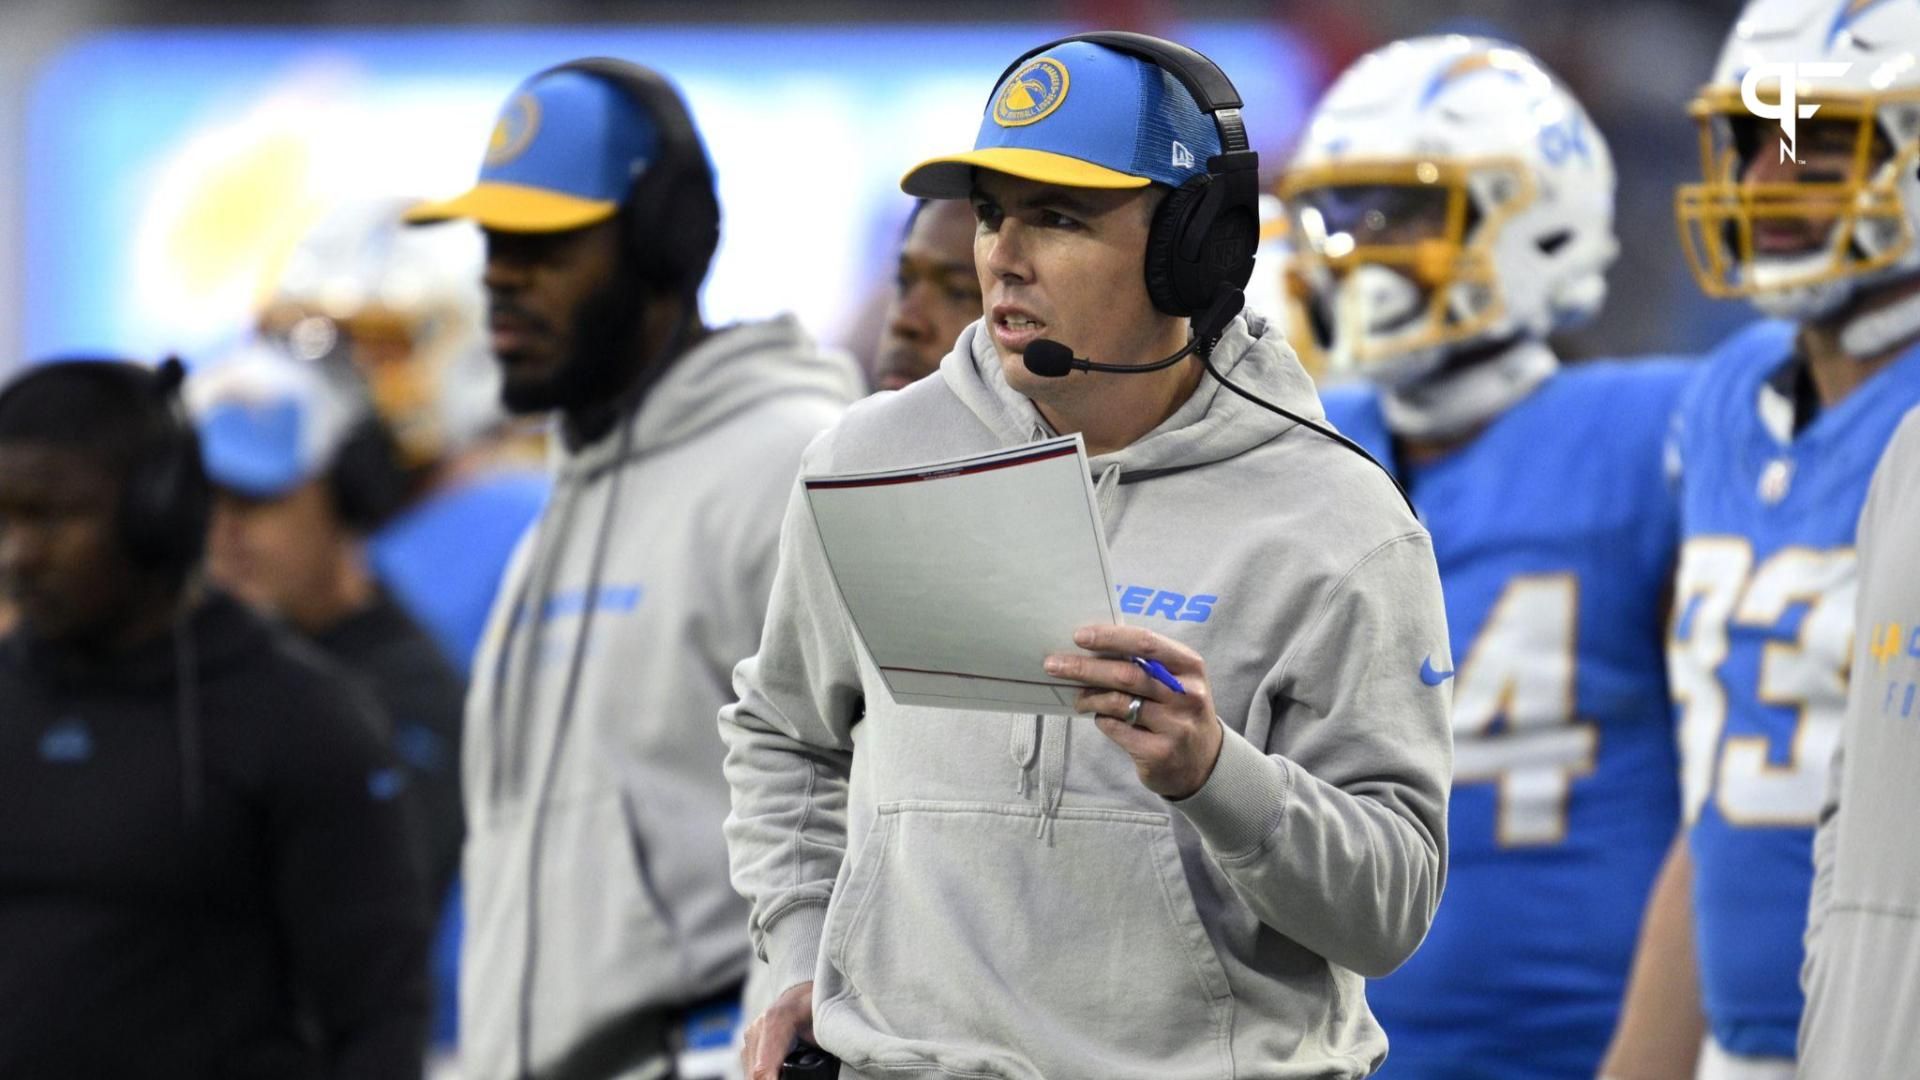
(1810, 137)
(1452, 206)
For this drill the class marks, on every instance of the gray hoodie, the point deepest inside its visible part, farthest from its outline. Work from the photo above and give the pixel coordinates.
(596, 876)
(1862, 969)
(995, 895)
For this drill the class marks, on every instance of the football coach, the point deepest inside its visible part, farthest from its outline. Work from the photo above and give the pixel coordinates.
(1189, 883)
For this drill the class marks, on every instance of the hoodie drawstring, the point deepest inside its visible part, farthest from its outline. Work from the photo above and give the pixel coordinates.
(1104, 490)
(1053, 770)
(1039, 744)
(516, 661)
(1044, 741)
(1023, 744)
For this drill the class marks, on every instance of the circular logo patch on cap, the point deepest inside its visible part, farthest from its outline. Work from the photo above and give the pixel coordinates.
(518, 121)
(1032, 93)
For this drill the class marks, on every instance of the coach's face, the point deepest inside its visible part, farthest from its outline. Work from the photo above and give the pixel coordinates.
(61, 561)
(542, 288)
(1067, 264)
(281, 554)
(936, 294)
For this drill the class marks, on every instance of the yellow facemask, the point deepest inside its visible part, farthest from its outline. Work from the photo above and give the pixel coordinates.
(1867, 227)
(1466, 203)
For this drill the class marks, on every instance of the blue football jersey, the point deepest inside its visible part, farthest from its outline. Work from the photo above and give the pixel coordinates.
(1762, 633)
(1555, 532)
(444, 558)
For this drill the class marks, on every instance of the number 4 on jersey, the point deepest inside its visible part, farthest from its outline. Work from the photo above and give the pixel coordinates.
(1513, 711)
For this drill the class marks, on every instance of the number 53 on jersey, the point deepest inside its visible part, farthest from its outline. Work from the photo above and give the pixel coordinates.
(1758, 661)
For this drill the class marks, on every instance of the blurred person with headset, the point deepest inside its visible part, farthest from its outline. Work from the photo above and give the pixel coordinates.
(404, 307)
(1773, 447)
(1454, 208)
(603, 938)
(302, 471)
(1195, 876)
(935, 293)
(205, 869)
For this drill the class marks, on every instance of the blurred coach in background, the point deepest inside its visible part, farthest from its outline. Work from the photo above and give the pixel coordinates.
(203, 869)
(302, 471)
(935, 293)
(603, 938)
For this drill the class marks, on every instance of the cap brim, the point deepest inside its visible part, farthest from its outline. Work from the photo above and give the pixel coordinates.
(952, 177)
(249, 472)
(516, 208)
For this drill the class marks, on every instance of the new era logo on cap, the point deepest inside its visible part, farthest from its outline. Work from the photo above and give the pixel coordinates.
(1081, 115)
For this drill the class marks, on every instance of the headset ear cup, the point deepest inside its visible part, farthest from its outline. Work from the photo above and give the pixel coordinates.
(167, 505)
(673, 226)
(1223, 255)
(367, 481)
(1230, 246)
(1169, 279)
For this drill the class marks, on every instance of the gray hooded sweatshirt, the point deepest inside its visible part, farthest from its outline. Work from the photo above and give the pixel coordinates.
(996, 895)
(1862, 969)
(596, 874)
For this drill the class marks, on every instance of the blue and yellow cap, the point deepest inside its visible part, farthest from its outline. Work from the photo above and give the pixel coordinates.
(566, 149)
(267, 422)
(1080, 115)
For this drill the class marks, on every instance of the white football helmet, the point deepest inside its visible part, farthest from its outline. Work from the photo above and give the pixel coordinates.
(1449, 194)
(1277, 290)
(1853, 69)
(404, 304)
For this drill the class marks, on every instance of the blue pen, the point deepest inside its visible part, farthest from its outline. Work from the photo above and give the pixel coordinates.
(1160, 674)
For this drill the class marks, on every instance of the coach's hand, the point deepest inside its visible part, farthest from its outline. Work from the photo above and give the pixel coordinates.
(772, 1037)
(1177, 737)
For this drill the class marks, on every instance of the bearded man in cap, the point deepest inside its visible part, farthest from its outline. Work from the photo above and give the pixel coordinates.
(600, 925)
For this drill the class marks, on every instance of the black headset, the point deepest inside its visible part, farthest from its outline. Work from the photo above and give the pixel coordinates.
(672, 212)
(367, 481)
(166, 500)
(1205, 231)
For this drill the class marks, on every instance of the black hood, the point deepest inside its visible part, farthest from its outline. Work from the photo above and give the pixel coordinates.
(221, 631)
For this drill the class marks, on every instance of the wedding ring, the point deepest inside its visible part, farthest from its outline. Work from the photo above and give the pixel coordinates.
(1133, 712)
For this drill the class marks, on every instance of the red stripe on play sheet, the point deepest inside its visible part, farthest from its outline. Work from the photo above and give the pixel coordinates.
(915, 478)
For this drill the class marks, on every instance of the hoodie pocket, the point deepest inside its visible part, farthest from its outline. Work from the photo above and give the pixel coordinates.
(962, 940)
(642, 871)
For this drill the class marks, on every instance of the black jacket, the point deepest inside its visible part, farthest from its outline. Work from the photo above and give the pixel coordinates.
(216, 886)
(422, 697)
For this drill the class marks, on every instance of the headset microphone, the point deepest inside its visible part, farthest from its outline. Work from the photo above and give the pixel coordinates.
(1050, 359)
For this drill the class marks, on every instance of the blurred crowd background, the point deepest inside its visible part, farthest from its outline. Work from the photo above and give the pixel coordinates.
(160, 159)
